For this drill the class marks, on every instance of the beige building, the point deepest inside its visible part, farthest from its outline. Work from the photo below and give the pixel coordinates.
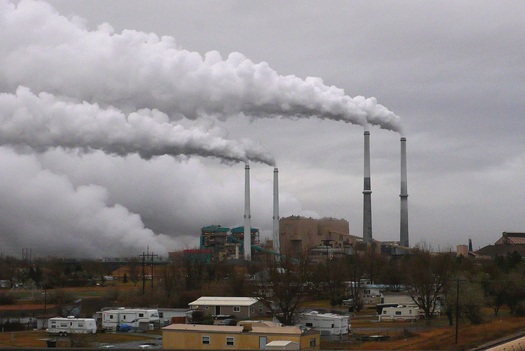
(240, 307)
(300, 234)
(253, 335)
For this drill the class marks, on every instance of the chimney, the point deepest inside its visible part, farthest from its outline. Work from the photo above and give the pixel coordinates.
(403, 233)
(276, 242)
(367, 193)
(247, 216)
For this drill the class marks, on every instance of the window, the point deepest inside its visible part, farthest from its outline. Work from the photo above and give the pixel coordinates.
(81, 325)
(313, 342)
(398, 313)
(141, 314)
(260, 308)
(230, 341)
(205, 340)
(236, 308)
(251, 309)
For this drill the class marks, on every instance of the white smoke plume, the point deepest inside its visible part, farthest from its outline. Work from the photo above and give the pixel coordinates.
(132, 70)
(48, 213)
(43, 122)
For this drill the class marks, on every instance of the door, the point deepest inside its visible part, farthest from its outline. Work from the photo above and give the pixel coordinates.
(262, 342)
(217, 310)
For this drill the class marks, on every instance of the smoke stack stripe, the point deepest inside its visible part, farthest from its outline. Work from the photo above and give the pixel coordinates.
(247, 216)
(403, 233)
(276, 243)
(367, 193)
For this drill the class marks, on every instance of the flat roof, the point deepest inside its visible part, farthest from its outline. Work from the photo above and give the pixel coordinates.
(233, 329)
(223, 301)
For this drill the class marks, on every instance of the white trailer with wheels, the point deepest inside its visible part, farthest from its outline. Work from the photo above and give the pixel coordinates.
(71, 325)
(399, 313)
(328, 324)
(143, 319)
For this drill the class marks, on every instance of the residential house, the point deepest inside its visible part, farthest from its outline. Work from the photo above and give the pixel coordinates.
(239, 307)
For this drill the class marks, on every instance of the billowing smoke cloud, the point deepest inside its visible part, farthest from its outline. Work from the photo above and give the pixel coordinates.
(50, 215)
(44, 122)
(65, 86)
(132, 70)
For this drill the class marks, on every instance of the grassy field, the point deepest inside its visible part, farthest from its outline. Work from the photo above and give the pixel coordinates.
(418, 336)
(401, 335)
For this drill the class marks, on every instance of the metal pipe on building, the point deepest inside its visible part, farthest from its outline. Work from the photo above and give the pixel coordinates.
(403, 234)
(247, 216)
(367, 193)
(276, 242)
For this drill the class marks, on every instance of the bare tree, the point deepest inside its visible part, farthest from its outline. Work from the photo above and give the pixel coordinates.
(283, 286)
(427, 277)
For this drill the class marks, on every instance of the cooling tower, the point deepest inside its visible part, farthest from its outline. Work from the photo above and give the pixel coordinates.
(247, 216)
(276, 243)
(403, 233)
(367, 193)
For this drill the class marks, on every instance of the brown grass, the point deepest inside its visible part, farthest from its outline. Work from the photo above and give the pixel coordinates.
(438, 337)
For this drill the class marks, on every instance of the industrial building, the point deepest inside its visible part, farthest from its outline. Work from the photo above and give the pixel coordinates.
(218, 243)
(298, 235)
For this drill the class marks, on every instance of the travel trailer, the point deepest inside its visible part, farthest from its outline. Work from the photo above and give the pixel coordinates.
(143, 319)
(327, 324)
(399, 313)
(71, 325)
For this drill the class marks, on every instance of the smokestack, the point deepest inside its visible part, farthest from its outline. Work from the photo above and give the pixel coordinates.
(276, 242)
(403, 233)
(247, 216)
(367, 193)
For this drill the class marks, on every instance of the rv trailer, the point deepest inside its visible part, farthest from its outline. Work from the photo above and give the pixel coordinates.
(71, 325)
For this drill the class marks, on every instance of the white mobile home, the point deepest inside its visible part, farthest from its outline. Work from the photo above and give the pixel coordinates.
(326, 323)
(399, 313)
(71, 325)
(142, 319)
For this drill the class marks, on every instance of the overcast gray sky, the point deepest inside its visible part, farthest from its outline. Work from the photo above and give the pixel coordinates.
(87, 110)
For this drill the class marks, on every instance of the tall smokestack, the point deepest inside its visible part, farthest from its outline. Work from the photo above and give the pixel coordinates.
(403, 233)
(276, 243)
(367, 193)
(247, 216)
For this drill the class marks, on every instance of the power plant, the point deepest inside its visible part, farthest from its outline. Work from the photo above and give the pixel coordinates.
(296, 234)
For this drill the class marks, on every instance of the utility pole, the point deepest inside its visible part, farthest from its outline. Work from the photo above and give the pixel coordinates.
(152, 255)
(143, 272)
(147, 257)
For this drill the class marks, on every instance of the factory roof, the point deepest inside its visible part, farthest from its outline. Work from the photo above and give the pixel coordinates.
(241, 230)
(511, 239)
(214, 228)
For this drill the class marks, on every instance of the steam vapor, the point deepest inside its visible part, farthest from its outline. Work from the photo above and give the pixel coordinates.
(134, 70)
(43, 122)
(65, 86)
